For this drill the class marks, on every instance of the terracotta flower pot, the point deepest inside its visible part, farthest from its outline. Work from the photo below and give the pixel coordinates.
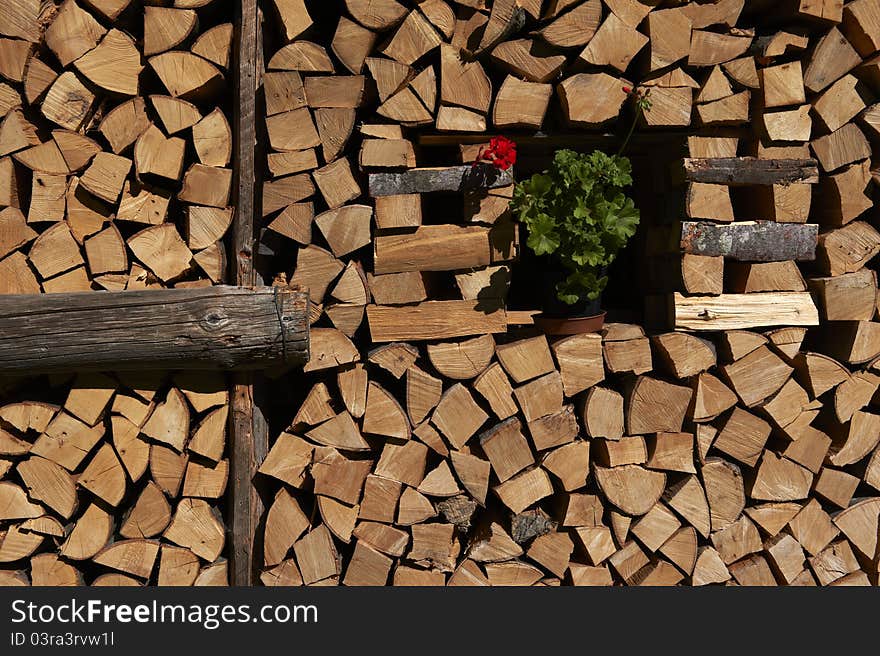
(570, 325)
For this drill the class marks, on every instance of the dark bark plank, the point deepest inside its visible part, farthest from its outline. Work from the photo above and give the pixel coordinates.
(452, 178)
(223, 328)
(764, 241)
(742, 171)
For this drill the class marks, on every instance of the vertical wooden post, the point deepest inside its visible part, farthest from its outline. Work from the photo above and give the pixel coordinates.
(249, 437)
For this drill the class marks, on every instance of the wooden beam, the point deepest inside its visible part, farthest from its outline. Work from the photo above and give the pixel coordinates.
(743, 171)
(453, 178)
(743, 311)
(435, 320)
(762, 241)
(219, 328)
(248, 430)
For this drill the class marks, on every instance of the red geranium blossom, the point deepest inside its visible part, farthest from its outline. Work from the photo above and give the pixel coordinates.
(500, 153)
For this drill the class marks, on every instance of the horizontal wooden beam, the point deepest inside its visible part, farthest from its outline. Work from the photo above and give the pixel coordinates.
(742, 171)
(435, 320)
(640, 142)
(444, 248)
(743, 311)
(749, 241)
(219, 328)
(450, 179)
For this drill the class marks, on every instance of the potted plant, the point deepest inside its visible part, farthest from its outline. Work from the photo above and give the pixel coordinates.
(578, 218)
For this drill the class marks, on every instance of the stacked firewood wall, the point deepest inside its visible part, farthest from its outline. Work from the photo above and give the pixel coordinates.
(114, 480)
(439, 439)
(115, 156)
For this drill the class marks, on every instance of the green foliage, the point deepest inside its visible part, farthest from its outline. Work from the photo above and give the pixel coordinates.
(577, 212)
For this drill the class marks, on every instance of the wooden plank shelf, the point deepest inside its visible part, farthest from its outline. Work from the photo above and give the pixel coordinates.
(538, 140)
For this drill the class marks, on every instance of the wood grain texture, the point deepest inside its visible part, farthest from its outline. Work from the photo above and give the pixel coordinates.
(248, 432)
(744, 311)
(202, 328)
(435, 320)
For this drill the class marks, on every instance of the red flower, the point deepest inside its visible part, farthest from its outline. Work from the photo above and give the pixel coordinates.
(500, 153)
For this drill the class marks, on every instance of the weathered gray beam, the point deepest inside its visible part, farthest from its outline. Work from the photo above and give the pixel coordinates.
(219, 328)
(743, 171)
(763, 241)
(450, 178)
(248, 430)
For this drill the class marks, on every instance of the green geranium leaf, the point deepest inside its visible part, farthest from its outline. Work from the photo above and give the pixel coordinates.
(577, 210)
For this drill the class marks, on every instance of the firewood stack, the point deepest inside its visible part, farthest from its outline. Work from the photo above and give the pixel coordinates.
(115, 154)
(432, 446)
(588, 460)
(114, 481)
(115, 144)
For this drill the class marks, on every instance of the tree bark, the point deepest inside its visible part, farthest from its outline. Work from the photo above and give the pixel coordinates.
(764, 241)
(740, 171)
(453, 178)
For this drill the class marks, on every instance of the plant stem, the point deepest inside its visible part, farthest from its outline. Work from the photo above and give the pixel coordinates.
(639, 109)
(629, 134)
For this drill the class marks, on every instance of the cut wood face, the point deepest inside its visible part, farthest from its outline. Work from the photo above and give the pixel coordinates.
(79, 71)
(113, 478)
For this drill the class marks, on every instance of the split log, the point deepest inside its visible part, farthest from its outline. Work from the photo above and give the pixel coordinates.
(782, 85)
(847, 249)
(849, 297)
(743, 311)
(433, 320)
(832, 58)
(843, 146)
(442, 248)
(577, 92)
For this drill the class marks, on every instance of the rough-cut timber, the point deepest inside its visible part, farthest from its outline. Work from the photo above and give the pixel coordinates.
(211, 328)
(248, 427)
(434, 320)
(449, 179)
(738, 171)
(762, 241)
(743, 311)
